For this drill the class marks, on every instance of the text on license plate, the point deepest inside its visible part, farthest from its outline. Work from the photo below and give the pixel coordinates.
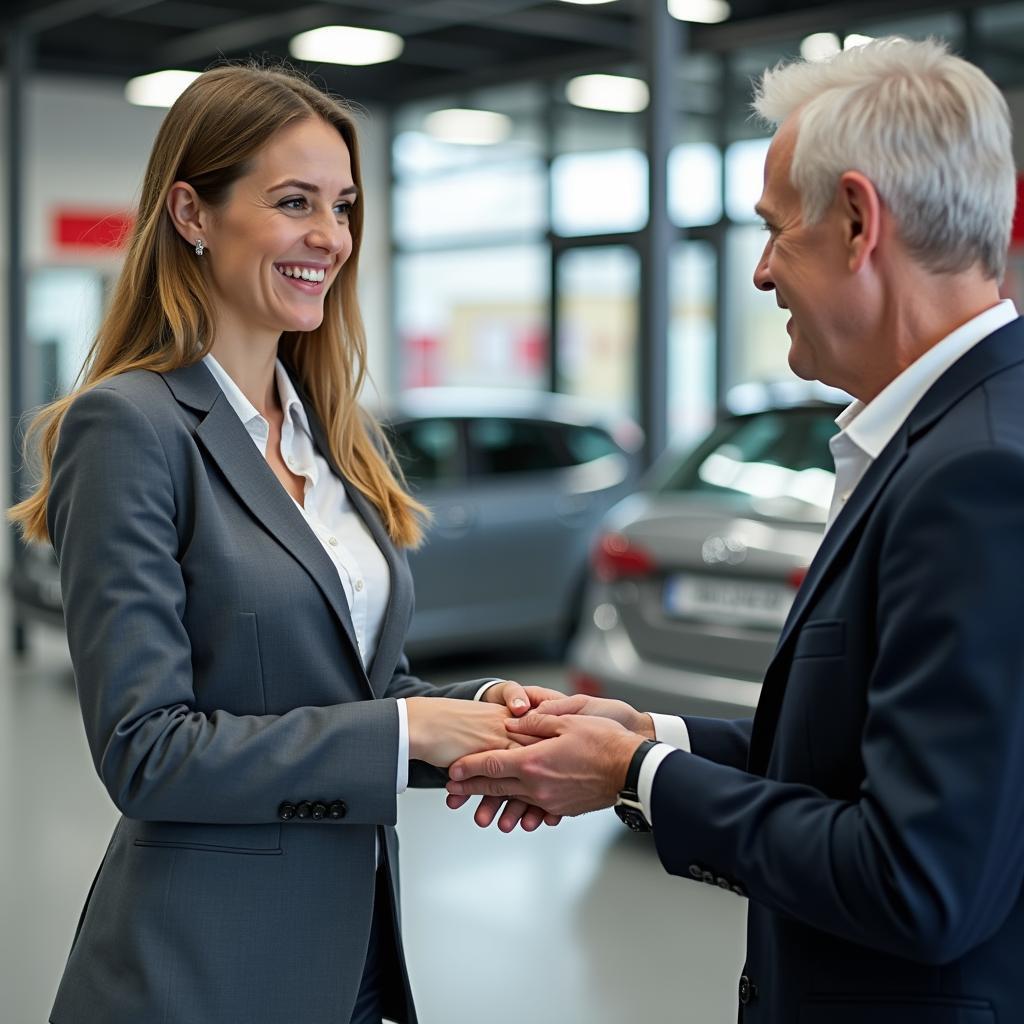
(742, 602)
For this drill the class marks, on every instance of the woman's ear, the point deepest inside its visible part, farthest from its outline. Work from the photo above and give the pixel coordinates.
(187, 213)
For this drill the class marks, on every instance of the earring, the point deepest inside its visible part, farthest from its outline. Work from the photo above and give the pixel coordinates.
(200, 248)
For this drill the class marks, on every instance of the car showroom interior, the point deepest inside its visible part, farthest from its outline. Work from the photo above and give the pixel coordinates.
(626, 482)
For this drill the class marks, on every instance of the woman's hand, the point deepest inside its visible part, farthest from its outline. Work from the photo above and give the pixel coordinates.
(517, 698)
(443, 729)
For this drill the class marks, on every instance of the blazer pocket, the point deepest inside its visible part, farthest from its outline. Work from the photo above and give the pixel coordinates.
(261, 840)
(893, 1010)
(821, 639)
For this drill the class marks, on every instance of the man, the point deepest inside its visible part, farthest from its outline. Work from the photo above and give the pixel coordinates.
(873, 810)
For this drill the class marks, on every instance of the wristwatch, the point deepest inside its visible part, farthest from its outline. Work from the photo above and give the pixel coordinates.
(628, 806)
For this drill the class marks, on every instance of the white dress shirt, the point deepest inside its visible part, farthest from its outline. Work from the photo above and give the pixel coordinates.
(329, 513)
(864, 432)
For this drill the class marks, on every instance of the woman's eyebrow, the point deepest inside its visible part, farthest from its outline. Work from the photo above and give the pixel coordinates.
(309, 187)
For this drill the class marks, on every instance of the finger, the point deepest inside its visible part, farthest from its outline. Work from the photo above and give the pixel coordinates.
(534, 724)
(564, 705)
(486, 810)
(515, 698)
(478, 785)
(512, 815)
(539, 694)
(522, 739)
(532, 819)
(495, 764)
(455, 802)
(551, 819)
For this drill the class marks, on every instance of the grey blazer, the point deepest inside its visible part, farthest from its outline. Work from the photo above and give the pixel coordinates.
(219, 678)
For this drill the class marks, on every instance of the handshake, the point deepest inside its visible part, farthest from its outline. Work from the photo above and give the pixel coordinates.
(533, 754)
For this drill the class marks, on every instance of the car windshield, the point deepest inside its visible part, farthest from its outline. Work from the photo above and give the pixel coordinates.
(778, 460)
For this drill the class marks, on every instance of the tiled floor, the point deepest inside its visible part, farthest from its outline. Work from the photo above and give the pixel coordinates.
(574, 924)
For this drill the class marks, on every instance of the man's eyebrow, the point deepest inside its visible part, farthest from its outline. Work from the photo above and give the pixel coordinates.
(307, 186)
(764, 214)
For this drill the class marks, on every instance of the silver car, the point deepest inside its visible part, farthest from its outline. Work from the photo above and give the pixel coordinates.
(518, 483)
(692, 576)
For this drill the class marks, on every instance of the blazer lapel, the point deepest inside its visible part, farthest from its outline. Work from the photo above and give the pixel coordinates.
(995, 353)
(400, 597)
(225, 438)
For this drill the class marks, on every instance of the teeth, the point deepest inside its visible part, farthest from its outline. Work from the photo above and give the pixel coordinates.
(304, 273)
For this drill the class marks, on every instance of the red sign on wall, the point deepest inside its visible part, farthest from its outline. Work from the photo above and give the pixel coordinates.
(91, 229)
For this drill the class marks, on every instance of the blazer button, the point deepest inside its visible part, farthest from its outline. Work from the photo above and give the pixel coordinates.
(337, 810)
(304, 810)
(286, 811)
(319, 811)
(748, 990)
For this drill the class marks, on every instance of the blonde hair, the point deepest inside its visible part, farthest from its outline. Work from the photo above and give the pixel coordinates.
(161, 315)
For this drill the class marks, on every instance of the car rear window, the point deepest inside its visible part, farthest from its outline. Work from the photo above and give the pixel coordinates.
(586, 444)
(499, 446)
(428, 450)
(777, 454)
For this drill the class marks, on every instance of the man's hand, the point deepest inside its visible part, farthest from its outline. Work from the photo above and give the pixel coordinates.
(575, 764)
(519, 700)
(601, 707)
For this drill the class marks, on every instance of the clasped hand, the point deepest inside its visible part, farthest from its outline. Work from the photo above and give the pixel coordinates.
(570, 755)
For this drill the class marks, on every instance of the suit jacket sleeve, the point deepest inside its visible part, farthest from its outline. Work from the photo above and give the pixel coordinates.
(923, 862)
(724, 741)
(112, 518)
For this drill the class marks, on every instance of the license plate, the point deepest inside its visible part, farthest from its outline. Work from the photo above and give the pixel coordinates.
(735, 601)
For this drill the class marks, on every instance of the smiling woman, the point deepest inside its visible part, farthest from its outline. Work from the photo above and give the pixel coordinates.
(231, 537)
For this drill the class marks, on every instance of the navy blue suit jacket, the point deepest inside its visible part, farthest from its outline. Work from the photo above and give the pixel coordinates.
(873, 810)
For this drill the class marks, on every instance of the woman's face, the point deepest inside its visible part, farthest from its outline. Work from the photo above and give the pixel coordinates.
(280, 240)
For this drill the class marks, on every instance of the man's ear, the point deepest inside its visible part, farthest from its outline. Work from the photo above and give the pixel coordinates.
(861, 211)
(187, 213)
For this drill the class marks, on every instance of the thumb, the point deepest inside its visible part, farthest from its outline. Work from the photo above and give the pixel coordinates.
(515, 698)
(544, 726)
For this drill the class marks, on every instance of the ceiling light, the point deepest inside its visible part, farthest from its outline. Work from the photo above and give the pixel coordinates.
(608, 92)
(707, 12)
(820, 46)
(854, 39)
(159, 89)
(468, 127)
(339, 44)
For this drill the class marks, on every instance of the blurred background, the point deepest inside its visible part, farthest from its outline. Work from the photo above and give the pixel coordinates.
(577, 373)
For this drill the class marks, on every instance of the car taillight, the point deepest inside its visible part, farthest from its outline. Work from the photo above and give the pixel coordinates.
(615, 556)
(582, 683)
(796, 576)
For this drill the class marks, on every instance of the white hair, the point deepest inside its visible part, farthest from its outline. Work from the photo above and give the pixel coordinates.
(929, 130)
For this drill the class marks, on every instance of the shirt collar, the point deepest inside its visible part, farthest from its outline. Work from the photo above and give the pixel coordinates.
(872, 426)
(247, 412)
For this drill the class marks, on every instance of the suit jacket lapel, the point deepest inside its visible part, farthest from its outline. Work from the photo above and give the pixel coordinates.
(400, 597)
(995, 353)
(231, 448)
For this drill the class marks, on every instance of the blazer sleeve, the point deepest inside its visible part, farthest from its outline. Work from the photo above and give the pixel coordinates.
(724, 741)
(922, 863)
(112, 518)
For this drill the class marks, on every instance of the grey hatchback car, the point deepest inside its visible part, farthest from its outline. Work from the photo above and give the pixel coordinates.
(518, 483)
(693, 575)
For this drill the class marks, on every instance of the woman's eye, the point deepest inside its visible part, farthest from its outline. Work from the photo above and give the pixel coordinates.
(342, 209)
(293, 203)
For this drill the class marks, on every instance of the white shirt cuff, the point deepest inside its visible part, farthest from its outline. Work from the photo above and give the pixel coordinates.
(402, 780)
(671, 729)
(651, 764)
(483, 689)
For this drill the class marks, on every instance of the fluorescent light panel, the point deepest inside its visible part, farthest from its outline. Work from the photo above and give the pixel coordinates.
(706, 12)
(159, 89)
(608, 92)
(341, 44)
(820, 46)
(468, 127)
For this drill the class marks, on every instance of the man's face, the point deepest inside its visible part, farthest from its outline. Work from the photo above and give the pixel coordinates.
(806, 266)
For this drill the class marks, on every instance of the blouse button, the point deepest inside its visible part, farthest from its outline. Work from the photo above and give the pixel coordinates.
(333, 541)
(360, 584)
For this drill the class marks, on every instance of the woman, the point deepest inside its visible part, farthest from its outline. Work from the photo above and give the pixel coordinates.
(231, 541)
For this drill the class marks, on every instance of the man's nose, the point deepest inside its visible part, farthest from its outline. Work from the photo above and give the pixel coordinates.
(762, 277)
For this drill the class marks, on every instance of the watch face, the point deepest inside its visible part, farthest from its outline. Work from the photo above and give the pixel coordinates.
(633, 818)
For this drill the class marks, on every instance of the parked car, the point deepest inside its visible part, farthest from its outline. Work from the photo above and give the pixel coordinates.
(693, 575)
(517, 482)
